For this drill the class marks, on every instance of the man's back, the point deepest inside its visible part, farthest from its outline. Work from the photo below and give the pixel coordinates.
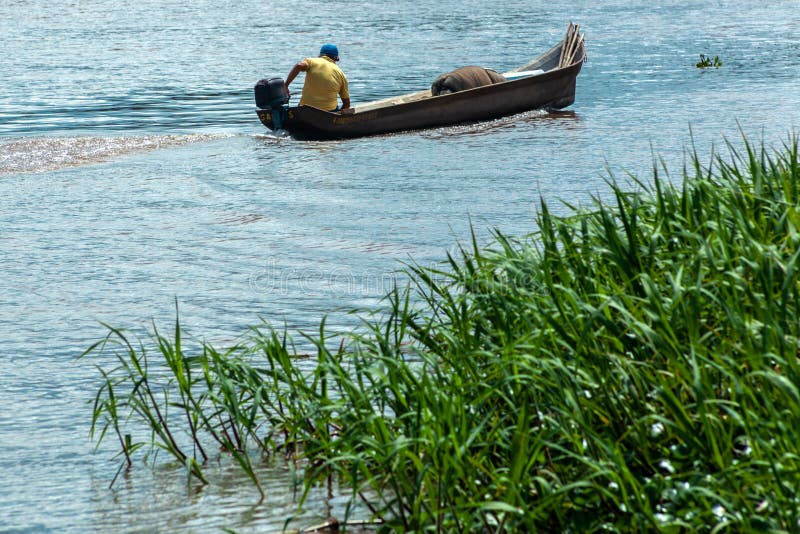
(324, 82)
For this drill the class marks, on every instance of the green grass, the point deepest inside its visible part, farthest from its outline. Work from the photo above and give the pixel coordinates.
(630, 367)
(708, 62)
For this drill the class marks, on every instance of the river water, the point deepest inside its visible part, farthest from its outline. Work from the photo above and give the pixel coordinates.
(134, 175)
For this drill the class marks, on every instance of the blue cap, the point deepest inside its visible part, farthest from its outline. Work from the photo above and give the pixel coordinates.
(329, 50)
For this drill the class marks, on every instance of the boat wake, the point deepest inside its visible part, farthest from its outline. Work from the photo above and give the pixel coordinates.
(276, 135)
(487, 127)
(39, 154)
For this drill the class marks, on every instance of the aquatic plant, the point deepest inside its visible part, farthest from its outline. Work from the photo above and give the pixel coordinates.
(628, 367)
(708, 62)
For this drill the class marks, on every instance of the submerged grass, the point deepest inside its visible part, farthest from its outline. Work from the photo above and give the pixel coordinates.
(627, 367)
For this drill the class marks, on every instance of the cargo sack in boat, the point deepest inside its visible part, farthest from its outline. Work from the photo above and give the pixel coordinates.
(271, 92)
(463, 79)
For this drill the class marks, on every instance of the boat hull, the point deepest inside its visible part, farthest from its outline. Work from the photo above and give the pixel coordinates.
(553, 89)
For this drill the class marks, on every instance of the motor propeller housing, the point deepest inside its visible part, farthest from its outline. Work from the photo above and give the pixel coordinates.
(272, 94)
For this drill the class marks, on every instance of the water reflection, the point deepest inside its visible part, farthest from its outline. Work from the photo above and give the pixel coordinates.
(140, 498)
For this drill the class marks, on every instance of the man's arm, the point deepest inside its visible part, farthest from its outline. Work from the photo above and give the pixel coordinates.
(301, 66)
(344, 92)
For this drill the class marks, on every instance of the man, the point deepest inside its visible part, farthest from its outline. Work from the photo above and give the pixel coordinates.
(324, 81)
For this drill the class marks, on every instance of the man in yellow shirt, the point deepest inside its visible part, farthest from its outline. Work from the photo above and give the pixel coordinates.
(324, 81)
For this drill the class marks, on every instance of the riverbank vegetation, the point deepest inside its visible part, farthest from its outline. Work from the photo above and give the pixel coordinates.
(632, 366)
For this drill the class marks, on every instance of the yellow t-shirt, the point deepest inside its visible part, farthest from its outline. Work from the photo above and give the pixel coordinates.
(324, 81)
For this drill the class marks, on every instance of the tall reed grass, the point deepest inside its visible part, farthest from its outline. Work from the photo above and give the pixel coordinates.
(629, 367)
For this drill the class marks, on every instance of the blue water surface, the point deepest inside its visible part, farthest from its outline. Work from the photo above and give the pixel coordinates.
(134, 175)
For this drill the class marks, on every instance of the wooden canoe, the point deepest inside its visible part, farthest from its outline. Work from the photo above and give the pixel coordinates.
(553, 88)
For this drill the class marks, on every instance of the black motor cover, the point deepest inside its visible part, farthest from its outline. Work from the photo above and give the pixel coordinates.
(271, 92)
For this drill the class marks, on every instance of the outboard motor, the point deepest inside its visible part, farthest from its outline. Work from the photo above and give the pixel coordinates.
(272, 94)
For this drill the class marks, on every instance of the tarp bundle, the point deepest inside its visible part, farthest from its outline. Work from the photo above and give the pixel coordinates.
(463, 79)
